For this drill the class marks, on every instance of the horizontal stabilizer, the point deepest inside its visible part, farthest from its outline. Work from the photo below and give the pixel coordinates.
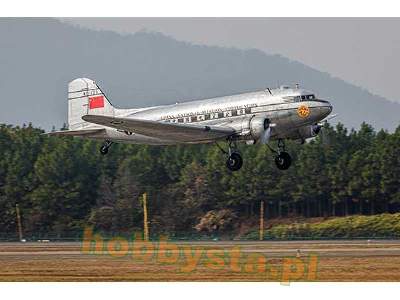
(83, 132)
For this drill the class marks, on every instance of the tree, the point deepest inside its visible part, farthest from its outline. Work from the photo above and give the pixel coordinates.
(63, 184)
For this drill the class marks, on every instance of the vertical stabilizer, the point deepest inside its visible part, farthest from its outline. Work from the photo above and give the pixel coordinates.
(84, 98)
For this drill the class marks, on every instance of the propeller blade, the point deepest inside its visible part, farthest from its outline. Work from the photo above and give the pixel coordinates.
(322, 122)
(329, 117)
(265, 136)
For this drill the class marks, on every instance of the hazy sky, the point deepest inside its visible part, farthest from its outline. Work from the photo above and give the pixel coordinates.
(362, 51)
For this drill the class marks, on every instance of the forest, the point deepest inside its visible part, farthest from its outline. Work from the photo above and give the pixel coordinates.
(64, 184)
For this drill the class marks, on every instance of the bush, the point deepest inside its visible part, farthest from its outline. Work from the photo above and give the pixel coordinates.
(377, 226)
(217, 221)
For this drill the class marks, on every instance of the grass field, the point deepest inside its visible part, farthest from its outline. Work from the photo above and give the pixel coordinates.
(333, 261)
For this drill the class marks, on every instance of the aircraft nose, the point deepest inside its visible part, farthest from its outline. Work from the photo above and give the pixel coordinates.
(326, 108)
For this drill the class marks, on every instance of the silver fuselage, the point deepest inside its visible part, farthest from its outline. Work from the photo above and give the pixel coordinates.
(280, 106)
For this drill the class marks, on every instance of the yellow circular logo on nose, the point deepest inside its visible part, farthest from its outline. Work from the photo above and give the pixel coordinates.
(303, 111)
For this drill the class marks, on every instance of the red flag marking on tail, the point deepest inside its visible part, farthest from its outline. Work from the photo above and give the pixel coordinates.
(96, 102)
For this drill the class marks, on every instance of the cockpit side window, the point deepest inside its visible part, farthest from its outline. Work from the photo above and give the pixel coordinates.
(288, 98)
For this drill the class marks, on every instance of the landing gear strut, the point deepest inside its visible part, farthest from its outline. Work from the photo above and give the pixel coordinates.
(104, 147)
(235, 160)
(283, 159)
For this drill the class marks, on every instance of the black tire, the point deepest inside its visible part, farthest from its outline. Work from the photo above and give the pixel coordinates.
(283, 161)
(103, 150)
(234, 162)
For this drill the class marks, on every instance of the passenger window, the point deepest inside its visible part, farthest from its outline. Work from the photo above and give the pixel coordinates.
(303, 97)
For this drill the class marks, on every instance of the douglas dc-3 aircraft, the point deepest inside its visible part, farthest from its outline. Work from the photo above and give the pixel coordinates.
(256, 117)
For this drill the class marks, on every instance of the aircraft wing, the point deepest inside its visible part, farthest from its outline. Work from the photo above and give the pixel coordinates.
(167, 131)
(83, 132)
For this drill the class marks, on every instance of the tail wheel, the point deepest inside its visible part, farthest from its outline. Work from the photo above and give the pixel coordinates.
(234, 162)
(283, 161)
(104, 148)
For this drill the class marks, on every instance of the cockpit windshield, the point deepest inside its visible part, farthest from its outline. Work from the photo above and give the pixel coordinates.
(307, 97)
(299, 98)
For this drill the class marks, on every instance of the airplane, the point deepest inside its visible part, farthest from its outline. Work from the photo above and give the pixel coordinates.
(253, 117)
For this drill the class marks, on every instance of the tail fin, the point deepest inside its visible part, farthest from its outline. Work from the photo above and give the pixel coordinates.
(84, 98)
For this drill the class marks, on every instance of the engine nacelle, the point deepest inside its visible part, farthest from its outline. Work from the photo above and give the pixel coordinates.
(309, 131)
(258, 125)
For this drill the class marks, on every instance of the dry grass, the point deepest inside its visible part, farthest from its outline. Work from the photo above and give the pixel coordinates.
(337, 261)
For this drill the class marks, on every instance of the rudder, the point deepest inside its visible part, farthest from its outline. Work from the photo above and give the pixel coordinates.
(85, 97)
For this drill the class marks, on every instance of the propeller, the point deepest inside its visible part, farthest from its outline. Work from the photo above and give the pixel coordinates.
(266, 134)
(319, 127)
(322, 122)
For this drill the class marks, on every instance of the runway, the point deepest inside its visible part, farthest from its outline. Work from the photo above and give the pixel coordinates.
(344, 260)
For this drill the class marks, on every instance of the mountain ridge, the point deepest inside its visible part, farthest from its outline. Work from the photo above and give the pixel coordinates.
(148, 68)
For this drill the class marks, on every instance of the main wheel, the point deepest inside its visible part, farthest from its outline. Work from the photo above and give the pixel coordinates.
(283, 161)
(234, 162)
(103, 150)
